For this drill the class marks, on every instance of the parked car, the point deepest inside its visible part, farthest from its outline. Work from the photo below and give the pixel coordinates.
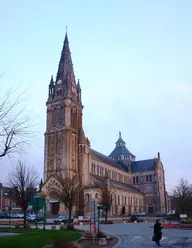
(161, 214)
(34, 218)
(3, 216)
(62, 219)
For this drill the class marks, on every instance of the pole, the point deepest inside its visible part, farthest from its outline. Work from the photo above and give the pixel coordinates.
(98, 219)
(1, 200)
(37, 206)
(9, 217)
(44, 224)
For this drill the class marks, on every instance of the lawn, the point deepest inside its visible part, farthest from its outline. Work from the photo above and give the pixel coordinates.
(32, 238)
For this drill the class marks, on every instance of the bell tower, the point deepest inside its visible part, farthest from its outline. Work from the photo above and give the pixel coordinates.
(64, 118)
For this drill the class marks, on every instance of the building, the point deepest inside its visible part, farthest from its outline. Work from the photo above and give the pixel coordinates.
(137, 185)
(7, 202)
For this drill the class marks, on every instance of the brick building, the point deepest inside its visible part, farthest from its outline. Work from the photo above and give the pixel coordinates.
(137, 185)
(6, 199)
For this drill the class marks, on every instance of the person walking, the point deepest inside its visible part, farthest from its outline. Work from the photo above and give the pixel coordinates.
(157, 232)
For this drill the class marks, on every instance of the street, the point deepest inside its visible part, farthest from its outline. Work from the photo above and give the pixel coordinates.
(140, 235)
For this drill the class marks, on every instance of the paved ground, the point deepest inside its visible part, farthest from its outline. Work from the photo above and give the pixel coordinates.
(5, 234)
(140, 235)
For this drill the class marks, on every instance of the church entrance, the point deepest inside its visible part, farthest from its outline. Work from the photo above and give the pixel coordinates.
(150, 208)
(54, 208)
(54, 203)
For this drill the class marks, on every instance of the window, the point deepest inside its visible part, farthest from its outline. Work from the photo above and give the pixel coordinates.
(7, 201)
(97, 169)
(54, 117)
(133, 180)
(61, 116)
(137, 179)
(119, 199)
(147, 178)
(150, 178)
(59, 92)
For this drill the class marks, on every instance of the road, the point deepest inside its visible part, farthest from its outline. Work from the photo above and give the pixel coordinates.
(140, 235)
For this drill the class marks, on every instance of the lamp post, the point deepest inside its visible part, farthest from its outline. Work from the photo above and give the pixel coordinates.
(1, 200)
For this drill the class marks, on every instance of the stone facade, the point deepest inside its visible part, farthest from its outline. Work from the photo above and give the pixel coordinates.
(139, 186)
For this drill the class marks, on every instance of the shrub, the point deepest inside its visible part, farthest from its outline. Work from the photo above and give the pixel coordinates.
(100, 234)
(88, 234)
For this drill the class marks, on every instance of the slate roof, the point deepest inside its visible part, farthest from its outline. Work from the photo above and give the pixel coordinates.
(120, 150)
(103, 158)
(99, 181)
(143, 165)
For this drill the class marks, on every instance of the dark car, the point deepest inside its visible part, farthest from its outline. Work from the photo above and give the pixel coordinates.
(62, 219)
(34, 218)
(161, 214)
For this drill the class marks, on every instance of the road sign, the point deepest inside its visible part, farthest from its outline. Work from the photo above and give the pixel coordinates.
(101, 207)
(37, 203)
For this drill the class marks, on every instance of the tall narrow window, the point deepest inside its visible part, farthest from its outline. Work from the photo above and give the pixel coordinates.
(133, 180)
(147, 178)
(150, 178)
(54, 117)
(61, 116)
(137, 181)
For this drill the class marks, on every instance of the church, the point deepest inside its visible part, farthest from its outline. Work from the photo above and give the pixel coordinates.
(139, 186)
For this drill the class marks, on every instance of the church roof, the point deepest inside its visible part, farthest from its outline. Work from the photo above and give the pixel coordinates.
(143, 165)
(100, 181)
(103, 158)
(120, 148)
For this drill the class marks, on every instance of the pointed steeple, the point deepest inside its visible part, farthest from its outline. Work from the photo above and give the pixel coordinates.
(120, 141)
(65, 71)
(78, 86)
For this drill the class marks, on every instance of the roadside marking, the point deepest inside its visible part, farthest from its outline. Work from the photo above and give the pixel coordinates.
(135, 238)
(163, 238)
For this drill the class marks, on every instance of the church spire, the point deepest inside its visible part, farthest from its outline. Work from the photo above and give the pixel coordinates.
(65, 74)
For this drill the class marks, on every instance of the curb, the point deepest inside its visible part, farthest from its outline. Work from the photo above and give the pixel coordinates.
(119, 242)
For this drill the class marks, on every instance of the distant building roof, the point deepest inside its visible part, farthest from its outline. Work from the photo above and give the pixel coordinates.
(143, 165)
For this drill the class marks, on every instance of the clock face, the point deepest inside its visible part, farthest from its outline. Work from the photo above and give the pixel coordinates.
(59, 82)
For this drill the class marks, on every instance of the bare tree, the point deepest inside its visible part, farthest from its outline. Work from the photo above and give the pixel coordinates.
(182, 197)
(23, 180)
(15, 126)
(106, 199)
(69, 191)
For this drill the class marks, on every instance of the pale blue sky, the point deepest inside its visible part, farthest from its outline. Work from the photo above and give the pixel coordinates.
(133, 59)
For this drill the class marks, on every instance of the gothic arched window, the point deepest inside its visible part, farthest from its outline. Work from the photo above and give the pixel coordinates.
(54, 117)
(61, 116)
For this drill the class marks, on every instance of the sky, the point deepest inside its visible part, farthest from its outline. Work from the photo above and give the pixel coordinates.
(133, 59)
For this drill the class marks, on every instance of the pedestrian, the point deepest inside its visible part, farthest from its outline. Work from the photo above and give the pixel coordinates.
(157, 232)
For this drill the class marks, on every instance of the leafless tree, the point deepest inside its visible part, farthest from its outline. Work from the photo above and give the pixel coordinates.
(182, 197)
(70, 187)
(15, 126)
(23, 181)
(106, 197)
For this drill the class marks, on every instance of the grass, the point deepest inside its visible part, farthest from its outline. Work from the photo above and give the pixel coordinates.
(32, 238)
